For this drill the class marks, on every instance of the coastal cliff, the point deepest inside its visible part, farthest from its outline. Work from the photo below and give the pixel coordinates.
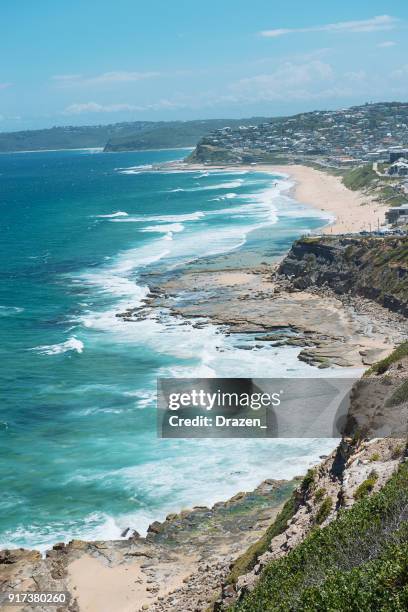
(369, 266)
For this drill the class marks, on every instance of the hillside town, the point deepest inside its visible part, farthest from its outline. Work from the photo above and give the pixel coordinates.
(368, 142)
(350, 136)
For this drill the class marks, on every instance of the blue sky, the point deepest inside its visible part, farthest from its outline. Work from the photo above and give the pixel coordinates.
(76, 62)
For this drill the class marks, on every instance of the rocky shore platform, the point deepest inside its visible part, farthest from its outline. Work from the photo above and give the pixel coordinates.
(180, 564)
(328, 329)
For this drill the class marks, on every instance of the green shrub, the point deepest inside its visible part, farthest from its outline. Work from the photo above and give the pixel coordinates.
(377, 585)
(375, 457)
(399, 396)
(320, 493)
(359, 562)
(308, 482)
(397, 451)
(382, 366)
(366, 487)
(324, 511)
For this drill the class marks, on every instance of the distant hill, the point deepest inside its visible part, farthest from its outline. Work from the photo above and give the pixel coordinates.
(167, 134)
(68, 137)
(127, 136)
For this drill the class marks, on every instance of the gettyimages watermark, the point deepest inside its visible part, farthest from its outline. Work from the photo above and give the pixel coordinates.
(279, 408)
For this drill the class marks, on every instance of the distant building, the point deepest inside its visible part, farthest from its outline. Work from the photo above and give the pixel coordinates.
(396, 155)
(397, 215)
(399, 168)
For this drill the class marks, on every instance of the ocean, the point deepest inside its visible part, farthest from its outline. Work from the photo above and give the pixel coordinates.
(80, 233)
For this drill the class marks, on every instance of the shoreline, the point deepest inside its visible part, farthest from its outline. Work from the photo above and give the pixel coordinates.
(353, 210)
(223, 279)
(138, 568)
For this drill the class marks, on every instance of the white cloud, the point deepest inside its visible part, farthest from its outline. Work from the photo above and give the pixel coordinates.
(94, 107)
(288, 81)
(122, 76)
(316, 80)
(5, 85)
(386, 43)
(375, 24)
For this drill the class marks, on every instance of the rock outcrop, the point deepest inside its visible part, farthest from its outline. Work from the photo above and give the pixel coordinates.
(182, 561)
(373, 267)
(324, 491)
(359, 466)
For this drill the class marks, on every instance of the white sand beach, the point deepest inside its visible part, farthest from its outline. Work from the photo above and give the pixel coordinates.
(353, 210)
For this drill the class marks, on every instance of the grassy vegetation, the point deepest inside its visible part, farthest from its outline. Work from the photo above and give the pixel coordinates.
(359, 178)
(375, 267)
(390, 196)
(397, 452)
(399, 396)
(248, 560)
(358, 562)
(364, 177)
(68, 137)
(210, 154)
(382, 366)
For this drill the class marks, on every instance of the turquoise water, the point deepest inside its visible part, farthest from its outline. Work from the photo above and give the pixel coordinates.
(79, 455)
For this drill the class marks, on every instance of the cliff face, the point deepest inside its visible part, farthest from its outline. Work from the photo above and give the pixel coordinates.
(208, 154)
(372, 267)
(334, 520)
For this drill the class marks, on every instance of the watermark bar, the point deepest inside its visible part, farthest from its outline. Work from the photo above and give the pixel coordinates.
(279, 408)
(35, 599)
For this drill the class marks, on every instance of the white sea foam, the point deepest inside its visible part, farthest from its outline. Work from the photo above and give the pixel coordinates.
(9, 311)
(171, 227)
(120, 278)
(96, 526)
(196, 352)
(72, 344)
(210, 474)
(143, 398)
(135, 169)
(227, 185)
(166, 218)
(120, 213)
(227, 196)
(181, 246)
